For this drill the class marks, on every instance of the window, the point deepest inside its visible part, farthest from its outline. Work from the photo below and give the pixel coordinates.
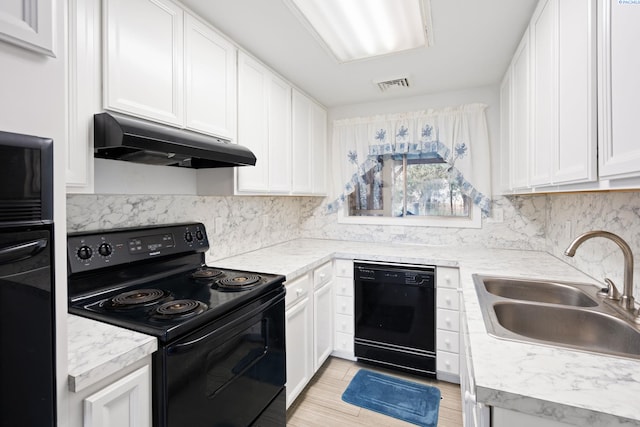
(410, 191)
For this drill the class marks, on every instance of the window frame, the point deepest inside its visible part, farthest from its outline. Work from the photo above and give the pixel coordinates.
(474, 220)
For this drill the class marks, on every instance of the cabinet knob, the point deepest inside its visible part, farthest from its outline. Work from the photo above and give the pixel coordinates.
(299, 292)
(447, 342)
(448, 300)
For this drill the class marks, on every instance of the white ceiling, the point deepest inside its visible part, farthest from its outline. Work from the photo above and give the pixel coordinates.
(473, 44)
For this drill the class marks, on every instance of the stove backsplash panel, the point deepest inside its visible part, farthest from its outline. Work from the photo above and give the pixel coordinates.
(234, 224)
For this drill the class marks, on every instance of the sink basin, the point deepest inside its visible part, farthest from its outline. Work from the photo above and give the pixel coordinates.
(539, 291)
(554, 313)
(574, 328)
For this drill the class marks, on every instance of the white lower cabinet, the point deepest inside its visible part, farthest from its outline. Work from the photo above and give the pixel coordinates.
(474, 414)
(125, 403)
(308, 323)
(322, 323)
(299, 336)
(448, 324)
(121, 400)
(343, 310)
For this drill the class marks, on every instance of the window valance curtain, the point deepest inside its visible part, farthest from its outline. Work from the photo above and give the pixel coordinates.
(458, 135)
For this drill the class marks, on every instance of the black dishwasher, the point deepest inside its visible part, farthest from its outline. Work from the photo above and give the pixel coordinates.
(395, 318)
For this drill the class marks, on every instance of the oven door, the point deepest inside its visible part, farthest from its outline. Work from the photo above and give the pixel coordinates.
(226, 374)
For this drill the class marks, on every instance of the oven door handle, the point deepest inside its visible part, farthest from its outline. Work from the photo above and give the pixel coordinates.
(21, 251)
(186, 346)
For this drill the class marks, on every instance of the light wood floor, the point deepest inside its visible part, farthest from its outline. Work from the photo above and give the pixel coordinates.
(321, 405)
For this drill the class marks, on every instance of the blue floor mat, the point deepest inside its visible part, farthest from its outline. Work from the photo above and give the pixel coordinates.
(398, 398)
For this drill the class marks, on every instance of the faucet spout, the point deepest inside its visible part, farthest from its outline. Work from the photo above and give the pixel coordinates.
(626, 300)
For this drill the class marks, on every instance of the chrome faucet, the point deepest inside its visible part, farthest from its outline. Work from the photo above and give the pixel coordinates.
(626, 299)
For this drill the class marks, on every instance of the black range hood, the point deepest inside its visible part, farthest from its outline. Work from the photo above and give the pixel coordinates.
(120, 137)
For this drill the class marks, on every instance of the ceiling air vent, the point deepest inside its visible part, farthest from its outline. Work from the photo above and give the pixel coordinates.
(393, 83)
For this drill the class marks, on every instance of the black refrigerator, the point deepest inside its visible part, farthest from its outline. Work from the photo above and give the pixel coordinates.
(27, 322)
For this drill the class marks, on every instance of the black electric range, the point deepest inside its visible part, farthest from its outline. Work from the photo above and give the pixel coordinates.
(228, 323)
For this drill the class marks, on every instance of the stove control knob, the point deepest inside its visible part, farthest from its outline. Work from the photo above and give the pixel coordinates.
(105, 249)
(199, 235)
(188, 236)
(84, 252)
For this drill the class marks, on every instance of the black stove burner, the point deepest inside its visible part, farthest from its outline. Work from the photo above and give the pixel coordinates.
(239, 283)
(206, 273)
(136, 298)
(179, 309)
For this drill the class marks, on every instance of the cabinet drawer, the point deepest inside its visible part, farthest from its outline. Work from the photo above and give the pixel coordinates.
(448, 341)
(344, 305)
(322, 275)
(448, 298)
(297, 289)
(343, 342)
(344, 286)
(344, 268)
(448, 320)
(344, 323)
(447, 277)
(447, 362)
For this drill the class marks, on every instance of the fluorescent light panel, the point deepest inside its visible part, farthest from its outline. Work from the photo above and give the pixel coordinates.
(357, 29)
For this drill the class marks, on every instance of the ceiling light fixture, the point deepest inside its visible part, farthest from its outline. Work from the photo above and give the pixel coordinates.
(358, 29)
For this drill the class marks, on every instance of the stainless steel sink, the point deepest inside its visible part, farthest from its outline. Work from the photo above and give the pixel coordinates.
(539, 291)
(562, 314)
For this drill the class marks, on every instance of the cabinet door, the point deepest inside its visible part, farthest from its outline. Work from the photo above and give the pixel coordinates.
(143, 64)
(322, 324)
(308, 145)
(519, 144)
(505, 131)
(125, 403)
(318, 150)
(299, 348)
(85, 86)
(301, 144)
(576, 148)
(543, 92)
(210, 80)
(253, 82)
(279, 136)
(619, 86)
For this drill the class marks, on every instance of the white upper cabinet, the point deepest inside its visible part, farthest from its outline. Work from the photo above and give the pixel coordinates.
(29, 24)
(542, 38)
(165, 65)
(210, 80)
(575, 151)
(619, 86)
(552, 103)
(143, 59)
(264, 126)
(309, 145)
(519, 143)
(285, 129)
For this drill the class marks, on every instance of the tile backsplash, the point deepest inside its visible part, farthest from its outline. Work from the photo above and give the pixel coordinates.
(569, 215)
(241, 224)
(234, 224)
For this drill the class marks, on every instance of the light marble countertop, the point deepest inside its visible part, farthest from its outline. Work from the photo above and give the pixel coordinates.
(97, 350)
(569, 386)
